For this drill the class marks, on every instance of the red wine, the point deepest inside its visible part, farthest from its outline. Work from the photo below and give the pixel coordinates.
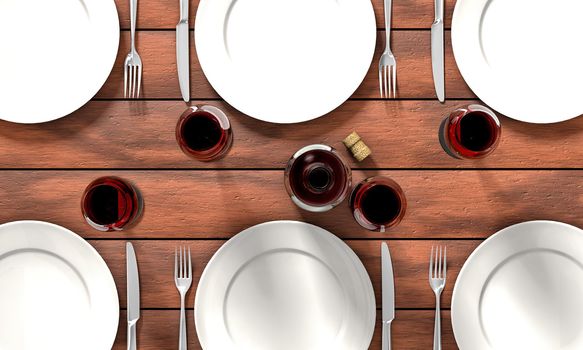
(472, 132)
(110, 204)
(317, 178)
(204, 133)
(378, 203)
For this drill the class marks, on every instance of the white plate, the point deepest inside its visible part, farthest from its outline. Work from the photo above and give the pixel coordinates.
(285, 61)
(285, 285)
(55, 56)
(56, 292)
(521, 289)
(522, 57)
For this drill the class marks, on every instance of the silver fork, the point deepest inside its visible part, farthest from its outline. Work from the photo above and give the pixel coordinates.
(388, 64)
(183, 279)
(437, 275)
(132, 74)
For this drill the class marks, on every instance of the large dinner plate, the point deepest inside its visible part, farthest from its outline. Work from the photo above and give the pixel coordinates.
(285, 285)
(54, 56)
(56, 292)
(522, 57)
(285, 61)
(521, 289)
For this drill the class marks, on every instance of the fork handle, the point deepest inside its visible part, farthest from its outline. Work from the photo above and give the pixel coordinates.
(437, 328)
(388, 15)
(386, 340)
(133, 16)
(182, 337)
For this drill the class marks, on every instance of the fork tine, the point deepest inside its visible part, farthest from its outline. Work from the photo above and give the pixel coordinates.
(189, 264)
(139, 79)
(394, 80)
(387, 86)
(130, 81)
(175, 262)
(440, 259)
(435, 263)
(185, 263)
(135, 76)
(381, 80)
(431, 263)
(181, 275)
(125, 81)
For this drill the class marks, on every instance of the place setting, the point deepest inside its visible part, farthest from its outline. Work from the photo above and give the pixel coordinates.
(340, 252)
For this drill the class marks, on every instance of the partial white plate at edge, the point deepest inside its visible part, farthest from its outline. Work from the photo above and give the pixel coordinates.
(56, 55)
(56, 292)
(285, 285)
(522, 57)
(285, 61)
(521, 289)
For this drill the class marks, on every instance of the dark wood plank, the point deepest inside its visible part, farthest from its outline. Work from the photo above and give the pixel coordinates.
(412, 329)
(218, 204)
(160, 80)
(410, 263)
(163, 14)
(401, 134)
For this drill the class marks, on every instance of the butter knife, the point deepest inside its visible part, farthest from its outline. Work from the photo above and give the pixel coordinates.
(133, 295)
(182, 51)
(388, 298)
(437, 51)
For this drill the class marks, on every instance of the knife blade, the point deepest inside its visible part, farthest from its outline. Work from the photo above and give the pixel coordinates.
(437, 51)
(388, 295)
(133, 295)
(182, 51)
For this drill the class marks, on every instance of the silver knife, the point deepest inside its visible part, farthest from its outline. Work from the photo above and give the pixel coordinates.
(133, 295)
(182, 51)
(437, 51)
(388, 290)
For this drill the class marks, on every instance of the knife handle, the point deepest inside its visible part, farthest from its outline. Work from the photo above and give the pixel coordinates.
(132, 341)
(386, 344)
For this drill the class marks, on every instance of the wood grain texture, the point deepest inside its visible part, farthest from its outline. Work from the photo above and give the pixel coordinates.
(410, 264)
(160, 80)
(401, 134)
(412, 330)
(219, 204)
(412, 14)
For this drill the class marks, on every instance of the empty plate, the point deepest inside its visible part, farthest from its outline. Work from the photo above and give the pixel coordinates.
(285, 61)
(285, 285)
(521, 289)
(55, 56)
(56, 292)
(522, 57)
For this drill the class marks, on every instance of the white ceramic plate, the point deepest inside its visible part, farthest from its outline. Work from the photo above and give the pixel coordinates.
(56, 292)
(55, 56)
(285, 61)
(521, 289)
(522, 57)
(285, 285)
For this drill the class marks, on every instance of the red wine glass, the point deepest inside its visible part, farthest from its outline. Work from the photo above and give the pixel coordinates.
(204, 133)
(316, 178)
(111, 204)
(471, 132)
(378, 203)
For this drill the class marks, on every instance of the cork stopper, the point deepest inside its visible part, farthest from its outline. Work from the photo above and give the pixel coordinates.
(357, 147)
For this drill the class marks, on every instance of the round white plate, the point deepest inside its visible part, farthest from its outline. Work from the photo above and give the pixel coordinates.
(522, 57)
(521, 289)
(56, 292)
(285, 285)
(55, 56)
(285, 61)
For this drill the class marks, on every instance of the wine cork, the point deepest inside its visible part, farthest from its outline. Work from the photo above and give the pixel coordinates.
(357, 147)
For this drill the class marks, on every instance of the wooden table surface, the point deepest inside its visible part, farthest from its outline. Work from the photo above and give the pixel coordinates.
(535, 174)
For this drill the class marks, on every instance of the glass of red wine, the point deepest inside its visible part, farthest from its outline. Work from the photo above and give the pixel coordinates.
(471, 132)
(378, 203)
(111, 204)
(317, 179)
(204, 133)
